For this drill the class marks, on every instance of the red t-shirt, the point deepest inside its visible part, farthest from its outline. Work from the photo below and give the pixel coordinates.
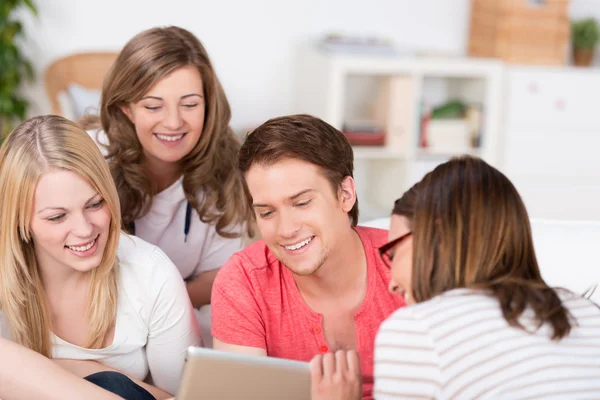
(255, 302)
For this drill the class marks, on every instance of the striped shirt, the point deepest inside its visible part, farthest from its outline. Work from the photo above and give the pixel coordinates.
(459, 346)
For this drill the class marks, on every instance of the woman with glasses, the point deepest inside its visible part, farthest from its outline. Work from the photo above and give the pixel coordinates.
(482, 321)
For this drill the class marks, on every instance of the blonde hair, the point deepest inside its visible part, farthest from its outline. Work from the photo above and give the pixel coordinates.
(211, 165)
(39, 145)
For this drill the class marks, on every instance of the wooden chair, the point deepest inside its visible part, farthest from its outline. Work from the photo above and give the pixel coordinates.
(85, 69)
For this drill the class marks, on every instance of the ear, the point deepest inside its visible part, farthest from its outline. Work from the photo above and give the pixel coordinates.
(127, 111)
(347, 193)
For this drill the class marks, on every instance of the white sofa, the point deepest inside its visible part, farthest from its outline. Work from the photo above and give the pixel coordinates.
(567, 252)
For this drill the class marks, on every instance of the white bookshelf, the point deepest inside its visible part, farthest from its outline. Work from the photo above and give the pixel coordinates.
(337, 87)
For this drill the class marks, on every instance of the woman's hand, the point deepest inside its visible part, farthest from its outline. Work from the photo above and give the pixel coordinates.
(336, 376)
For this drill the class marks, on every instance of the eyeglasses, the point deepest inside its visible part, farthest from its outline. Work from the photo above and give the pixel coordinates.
(384, 251)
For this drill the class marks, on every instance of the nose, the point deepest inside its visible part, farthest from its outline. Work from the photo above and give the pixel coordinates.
(287, 226)
(83, 227)
(173, 120)
(393, 286)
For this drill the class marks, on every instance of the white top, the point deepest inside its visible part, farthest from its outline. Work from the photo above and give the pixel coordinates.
(204, 250)
(154, 324)
(458, 345)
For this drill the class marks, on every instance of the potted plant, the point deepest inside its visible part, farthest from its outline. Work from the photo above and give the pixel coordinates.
(584, 37)
(14, 68)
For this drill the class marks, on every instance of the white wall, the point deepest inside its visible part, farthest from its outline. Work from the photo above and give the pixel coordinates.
(252, 43)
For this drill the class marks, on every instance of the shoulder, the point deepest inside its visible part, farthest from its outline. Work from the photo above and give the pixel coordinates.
(372, 237)
(452, 304)
(254, 263)
(406, 315)
(144, 262)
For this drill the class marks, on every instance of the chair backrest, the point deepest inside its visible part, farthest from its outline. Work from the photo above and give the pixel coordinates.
(85, 69)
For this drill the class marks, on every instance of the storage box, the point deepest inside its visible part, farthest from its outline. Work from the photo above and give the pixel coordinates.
(448, 135)
(534, 32)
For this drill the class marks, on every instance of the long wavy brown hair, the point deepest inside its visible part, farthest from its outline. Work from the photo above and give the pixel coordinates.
(471, 230)
(39, 145)
(210, 167)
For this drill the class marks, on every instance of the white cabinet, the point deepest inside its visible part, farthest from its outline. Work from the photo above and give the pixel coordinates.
(552, 140)
(553, 99)
(343, 87)
(541, 124)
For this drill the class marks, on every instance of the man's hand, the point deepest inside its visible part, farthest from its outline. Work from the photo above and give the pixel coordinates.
(336, 377)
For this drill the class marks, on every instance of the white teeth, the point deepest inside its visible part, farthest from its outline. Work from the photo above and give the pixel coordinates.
(299, 245)
(169, 138)
(82, 248)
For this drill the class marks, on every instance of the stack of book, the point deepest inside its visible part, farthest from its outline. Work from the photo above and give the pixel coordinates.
(364, 133)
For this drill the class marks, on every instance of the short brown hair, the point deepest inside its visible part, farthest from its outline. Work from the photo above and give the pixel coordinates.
(302, 137)
(471, 230)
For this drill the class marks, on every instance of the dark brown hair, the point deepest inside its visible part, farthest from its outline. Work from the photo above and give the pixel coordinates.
(302, 137)
(146, 59)
(405, 205)
(471, 230)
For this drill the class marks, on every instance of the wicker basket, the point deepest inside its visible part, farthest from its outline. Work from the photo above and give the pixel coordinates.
(520, 31)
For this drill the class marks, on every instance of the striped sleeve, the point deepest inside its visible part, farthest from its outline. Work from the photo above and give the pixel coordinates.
(406, 363)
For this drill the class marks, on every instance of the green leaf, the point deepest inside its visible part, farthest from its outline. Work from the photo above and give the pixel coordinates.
(29, 70)
(14, 67)
(585, 33)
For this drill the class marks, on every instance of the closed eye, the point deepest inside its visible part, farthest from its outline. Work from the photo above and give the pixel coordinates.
(265, 214)
(190, 105)
(152, 108)
(303, 203)
(56, 218)
(97, 204)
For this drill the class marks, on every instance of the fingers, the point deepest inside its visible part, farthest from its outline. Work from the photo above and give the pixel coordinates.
(341, 364)
(329, 367)
(336, 376)
(353, 361)
(316, 369)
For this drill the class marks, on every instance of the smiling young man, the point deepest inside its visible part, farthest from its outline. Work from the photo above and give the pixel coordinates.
(315, 282)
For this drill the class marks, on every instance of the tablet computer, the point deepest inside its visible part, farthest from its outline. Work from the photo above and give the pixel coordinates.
(213, 374)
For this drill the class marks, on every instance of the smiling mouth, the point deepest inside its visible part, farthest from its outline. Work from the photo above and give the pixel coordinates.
(170, 138)
(300, 244)
(83, 248)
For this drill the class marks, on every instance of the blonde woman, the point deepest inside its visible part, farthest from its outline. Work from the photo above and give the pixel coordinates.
(165, 121)
(73, 287)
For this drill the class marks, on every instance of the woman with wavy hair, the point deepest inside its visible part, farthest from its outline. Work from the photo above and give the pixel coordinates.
(481, 321)
(165, 123)
(73, 287)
